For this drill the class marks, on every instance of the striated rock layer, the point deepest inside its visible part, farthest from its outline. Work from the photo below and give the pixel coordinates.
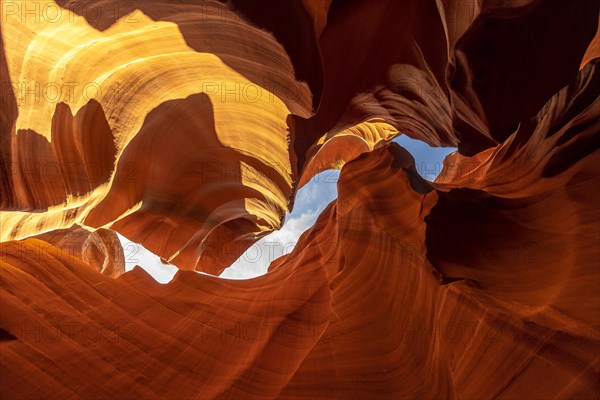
(188, 126)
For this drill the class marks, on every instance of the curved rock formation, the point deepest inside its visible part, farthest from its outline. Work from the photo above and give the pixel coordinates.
(102, 136)
(100, 249)
(188, 126)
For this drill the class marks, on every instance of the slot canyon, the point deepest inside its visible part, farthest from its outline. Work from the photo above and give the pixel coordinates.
(191, 127)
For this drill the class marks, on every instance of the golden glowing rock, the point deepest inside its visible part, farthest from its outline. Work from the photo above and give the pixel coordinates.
(189, 126)
(182, 167)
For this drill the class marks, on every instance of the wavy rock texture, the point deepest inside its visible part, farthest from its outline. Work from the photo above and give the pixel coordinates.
(188, 126)
(110, 139)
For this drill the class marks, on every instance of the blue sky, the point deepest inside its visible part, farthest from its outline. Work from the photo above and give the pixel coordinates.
(310, 201)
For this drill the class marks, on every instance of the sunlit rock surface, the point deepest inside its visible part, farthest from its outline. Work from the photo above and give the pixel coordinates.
(189, 126)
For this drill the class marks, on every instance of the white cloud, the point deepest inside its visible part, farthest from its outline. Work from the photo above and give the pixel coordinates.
(256, 260)
(311, 200)
(136, 254)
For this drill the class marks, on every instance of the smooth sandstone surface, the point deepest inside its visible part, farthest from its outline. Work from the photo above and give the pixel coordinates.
(188, 126)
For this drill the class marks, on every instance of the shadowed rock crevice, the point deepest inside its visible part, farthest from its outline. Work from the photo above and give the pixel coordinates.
(481, 283)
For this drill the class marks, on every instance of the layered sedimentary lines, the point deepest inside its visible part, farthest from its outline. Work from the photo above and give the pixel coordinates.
(111, 137)
(188, 127)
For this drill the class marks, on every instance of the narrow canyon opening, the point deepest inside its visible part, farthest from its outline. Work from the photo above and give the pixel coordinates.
(310, 201)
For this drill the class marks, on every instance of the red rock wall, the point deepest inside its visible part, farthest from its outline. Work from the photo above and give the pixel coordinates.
(482, 284)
